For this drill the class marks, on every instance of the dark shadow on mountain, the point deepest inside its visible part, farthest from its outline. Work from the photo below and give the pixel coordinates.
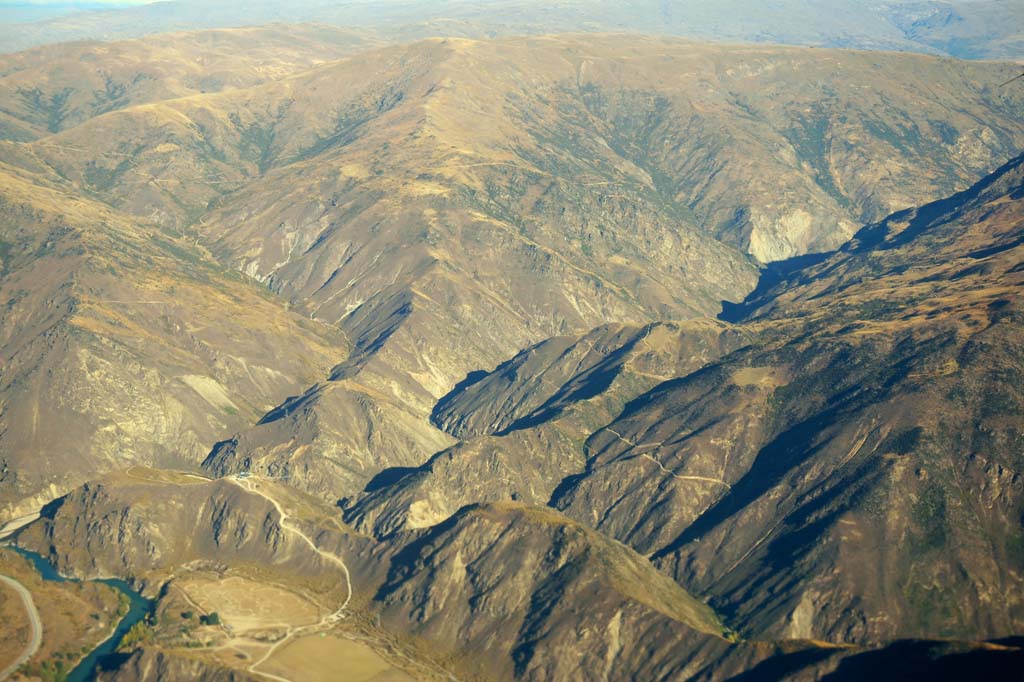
(925, 217)
(874, 237)
(590, 383)
(406, 561)
(49, 510)
(370, 326)
(564, 488)
(472, 379)
(781, 667)
(110, 663)
(998, 248)
(289, 406)
(389, 477)
(772, 275)
(931, 662)
(220, 448)
(786, 452)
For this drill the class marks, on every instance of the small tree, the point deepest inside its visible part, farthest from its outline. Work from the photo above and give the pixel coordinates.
(212, 618)
(140, 633)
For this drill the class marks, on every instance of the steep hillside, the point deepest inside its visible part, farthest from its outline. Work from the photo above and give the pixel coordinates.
(849, 473)
(510, 579)
(472, 198)
(444, 323)
(690, 131)
(450, 203)
(330, 441)
(856, 475)
(123, 344)
(523, 426)
(125, 524)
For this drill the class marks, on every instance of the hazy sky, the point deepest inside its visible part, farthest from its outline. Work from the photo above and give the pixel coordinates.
(17, 11)
(973, 29)
(71, 3)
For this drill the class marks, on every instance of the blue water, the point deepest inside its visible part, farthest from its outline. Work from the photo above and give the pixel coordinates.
(139, 607)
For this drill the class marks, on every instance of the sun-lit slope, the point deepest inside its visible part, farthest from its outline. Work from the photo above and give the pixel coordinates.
(855, 476)
(128, 524)
(777, 150)
(125, 344)
(431, 273)
(508, 579)
(469, 174)
(524, 425)
(46, 90)
(545, 597)
(451, 202)
(330, 441)
(843, 465)
(555, 377)
(499, 592)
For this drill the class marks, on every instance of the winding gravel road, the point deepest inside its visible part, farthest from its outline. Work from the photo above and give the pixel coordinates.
(37, 627)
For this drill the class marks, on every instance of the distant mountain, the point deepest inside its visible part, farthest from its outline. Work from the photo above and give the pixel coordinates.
(973, 29)
(50, 89)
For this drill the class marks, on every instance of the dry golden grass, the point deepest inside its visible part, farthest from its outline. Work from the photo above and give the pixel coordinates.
(76, 616)
(15, 632)
(331, 659)
(246, 605)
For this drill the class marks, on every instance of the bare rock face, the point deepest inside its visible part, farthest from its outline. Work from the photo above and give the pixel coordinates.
(331, 441)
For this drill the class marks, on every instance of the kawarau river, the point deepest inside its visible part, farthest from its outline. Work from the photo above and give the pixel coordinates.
(139, 607)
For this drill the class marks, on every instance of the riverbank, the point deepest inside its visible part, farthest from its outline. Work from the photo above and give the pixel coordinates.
(138, 608)
(81, 622)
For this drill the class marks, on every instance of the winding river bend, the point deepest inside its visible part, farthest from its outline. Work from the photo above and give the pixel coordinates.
(138, 608)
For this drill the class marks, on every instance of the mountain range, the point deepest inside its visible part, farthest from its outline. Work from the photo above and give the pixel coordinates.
(549, 357)
(967, 29)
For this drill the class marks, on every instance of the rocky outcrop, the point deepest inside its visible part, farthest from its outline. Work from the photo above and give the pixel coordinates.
(331, 441)
(132, 525)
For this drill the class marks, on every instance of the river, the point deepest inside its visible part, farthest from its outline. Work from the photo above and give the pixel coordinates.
(138, 608)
